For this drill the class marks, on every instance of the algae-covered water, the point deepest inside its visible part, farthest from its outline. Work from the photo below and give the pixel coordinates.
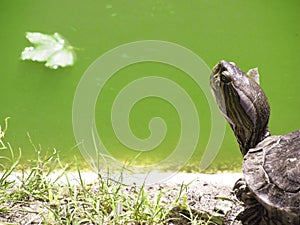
(263, 34)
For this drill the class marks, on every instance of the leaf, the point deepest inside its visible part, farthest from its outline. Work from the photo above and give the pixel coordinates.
(54, 49)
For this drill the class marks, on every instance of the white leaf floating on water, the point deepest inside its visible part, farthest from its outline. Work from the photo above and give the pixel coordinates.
(54, 49)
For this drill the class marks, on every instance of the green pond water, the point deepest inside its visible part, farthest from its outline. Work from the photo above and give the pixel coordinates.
(263, 34)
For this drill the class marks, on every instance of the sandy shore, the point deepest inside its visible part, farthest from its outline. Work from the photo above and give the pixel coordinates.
(211, 193)
(218, 179)
(203, 191)
(154, 178)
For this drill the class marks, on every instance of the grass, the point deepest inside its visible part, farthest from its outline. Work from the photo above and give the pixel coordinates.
(33, 196)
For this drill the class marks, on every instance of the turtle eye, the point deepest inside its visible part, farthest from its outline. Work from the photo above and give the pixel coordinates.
(225, 79)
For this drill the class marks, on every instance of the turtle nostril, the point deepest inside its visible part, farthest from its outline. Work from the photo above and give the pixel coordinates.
(218, 69)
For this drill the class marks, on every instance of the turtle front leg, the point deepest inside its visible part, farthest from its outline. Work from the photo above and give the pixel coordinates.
(253, 210)
(242, 191)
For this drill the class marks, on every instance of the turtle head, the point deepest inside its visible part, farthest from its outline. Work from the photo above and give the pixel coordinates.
(242, 102)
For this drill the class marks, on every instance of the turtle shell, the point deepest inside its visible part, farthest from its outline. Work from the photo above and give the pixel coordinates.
(272, 173)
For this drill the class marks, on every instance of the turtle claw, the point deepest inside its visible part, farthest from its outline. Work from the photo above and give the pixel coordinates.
(241, 190)
(253, 210)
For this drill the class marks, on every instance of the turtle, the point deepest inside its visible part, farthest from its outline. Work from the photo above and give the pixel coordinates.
(270, 187)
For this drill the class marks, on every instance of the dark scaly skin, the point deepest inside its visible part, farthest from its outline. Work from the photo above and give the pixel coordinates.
(271, 192)
(249, 131)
